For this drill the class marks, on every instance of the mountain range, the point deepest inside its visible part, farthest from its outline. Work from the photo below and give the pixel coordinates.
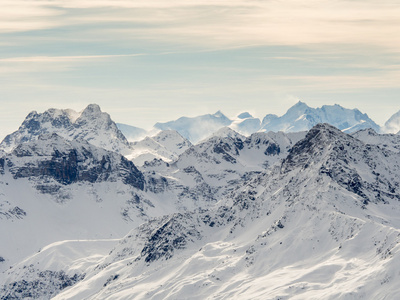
(299, 117)
(231, 209)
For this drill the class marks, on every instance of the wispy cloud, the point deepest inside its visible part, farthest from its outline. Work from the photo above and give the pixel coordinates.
(223, 23)
(41, 59)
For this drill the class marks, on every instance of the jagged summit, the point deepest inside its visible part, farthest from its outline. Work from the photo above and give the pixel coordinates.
(91, 124)
(92, 109)
(299, 106)
(227, 132)
(301, 117)
(65, 161)
(316, 210)
(316, 143)
(219, 114)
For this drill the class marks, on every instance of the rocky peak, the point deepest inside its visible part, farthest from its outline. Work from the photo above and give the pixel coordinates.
(227, 132)
(91, 124)
(52, 157)
(92, 109)
(319, 140)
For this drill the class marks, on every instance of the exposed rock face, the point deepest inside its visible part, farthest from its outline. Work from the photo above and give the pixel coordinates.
(92, 125)
(345, 160)
(66, 162)
(241, 210)
(48, 284)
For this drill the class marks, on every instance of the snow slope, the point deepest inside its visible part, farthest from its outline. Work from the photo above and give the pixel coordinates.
(246, 124)
(393, 124)
(132, 133)
(272, 215)
(166, 145)
(385, 141)
(321, 224)
(196, 128)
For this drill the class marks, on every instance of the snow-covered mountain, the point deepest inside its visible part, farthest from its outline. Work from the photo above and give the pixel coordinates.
(301, 117)
(91, 124)
(385, 141)
(267, 215)
(196, 128)
(320, 224)
(246, 124)
(54, 189)
(132, 133)
(166, 145)
(393, 124)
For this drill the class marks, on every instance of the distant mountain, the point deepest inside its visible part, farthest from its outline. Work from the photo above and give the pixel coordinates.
(312, 213)
(393, 124)
(132, 133)
(92, 125)
(196, 128)
(246, 124)
(166, 145)
(301, 117)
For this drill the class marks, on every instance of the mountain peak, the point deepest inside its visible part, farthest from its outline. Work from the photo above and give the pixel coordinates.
(227, 132)
(91, 124)
(393, 124)
(297, 109)
(317, 141)
(92, 109)
(300, 104)
(244, 115)
(219, 114)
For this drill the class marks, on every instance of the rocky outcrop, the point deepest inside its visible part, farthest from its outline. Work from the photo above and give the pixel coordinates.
(66, 162)
(92, 125)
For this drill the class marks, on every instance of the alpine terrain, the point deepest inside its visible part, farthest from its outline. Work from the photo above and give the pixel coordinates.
(302, 206)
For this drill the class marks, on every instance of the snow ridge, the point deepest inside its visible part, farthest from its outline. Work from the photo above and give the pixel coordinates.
(312, 213)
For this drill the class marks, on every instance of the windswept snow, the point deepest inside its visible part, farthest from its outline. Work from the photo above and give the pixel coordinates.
(312, 214)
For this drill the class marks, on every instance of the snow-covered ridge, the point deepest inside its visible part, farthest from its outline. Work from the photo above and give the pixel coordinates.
(313, 213)
(166, 145)
(91, 124)
(322, 223)
(300, 117)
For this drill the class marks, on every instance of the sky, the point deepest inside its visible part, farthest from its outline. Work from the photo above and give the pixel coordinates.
(153, 61)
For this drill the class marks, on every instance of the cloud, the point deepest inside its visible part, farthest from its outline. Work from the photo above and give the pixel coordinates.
(47, 59)
(218, 23)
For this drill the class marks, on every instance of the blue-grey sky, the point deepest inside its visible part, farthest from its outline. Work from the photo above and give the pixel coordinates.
(149, 61)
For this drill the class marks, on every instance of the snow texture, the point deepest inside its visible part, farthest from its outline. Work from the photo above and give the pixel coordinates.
(312, 214)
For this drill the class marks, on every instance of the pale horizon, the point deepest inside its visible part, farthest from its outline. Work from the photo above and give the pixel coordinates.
(148, 62)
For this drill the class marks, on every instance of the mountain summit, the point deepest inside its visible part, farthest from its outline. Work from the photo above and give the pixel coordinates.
(301, 117)
(91, 124)
(196, 128)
